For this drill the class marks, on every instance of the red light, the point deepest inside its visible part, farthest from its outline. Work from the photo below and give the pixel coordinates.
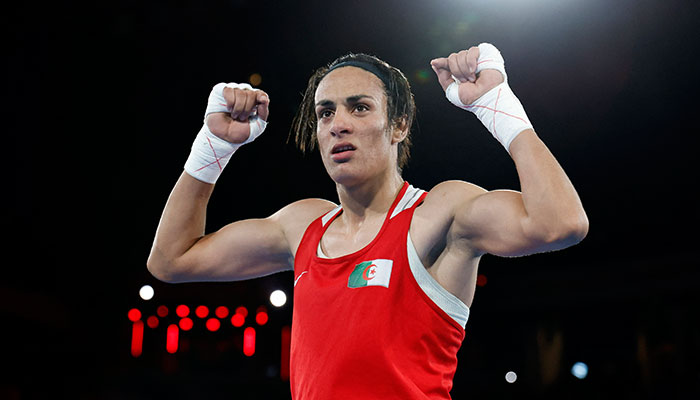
(186, 324)
(237, 320)
(284, 362)
(221, 312)
(134, 315)
(261, 318)
(481, 280)
(182, 311)
(172, 339)
(137, 338)
(152, 322)
(249, 341)
(162, 311)
(242, 310)
(201, 311)
(213, 324)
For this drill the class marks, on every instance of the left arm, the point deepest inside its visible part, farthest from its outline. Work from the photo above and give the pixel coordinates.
(547, 214)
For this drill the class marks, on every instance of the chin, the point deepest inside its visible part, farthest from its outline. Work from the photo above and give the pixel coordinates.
(344, 174)
(345, 179)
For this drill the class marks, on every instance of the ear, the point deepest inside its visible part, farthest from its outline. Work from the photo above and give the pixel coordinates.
(399, 130)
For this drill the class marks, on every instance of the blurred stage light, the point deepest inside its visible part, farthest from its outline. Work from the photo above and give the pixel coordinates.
(284, 361)
(134, 315)
(186, 324)
(261, 316)
(221, 312)
(237, 320)
(182, 311)
(579, 370)
(137, 339)
(146, 292)
(255, 79)
(172, 337)
(162, 311)
(249, 341)
(511, 377)
(423, 75)
(213, 324)
(242, 310)
(278, 298)
(152, 322)
(201, 311)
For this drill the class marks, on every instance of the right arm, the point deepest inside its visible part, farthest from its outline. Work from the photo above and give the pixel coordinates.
(244, 249)
(181, 251)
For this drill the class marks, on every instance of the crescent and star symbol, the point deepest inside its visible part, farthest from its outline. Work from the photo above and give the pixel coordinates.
(369, 272)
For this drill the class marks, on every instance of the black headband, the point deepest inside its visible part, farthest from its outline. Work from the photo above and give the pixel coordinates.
(367, 67)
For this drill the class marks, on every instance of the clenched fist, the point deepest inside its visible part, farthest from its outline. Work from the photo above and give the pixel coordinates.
(238, 111)
(461, 67)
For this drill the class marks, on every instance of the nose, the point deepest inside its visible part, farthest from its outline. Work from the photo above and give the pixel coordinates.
(341, 124)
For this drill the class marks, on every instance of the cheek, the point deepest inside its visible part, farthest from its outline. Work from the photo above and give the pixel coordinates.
(322, 144)
(381, 138)
(321, 140)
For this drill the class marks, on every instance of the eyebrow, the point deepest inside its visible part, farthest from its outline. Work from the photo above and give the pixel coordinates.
(350, 100)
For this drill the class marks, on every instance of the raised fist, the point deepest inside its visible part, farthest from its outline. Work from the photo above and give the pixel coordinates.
(235, 110)
(471, 69)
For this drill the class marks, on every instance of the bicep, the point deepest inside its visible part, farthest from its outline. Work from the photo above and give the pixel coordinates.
(496, 222)
(254, 247)
(241, 250)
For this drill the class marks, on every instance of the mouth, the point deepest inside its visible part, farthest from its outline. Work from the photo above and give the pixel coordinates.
(339, 148)
(341, 152)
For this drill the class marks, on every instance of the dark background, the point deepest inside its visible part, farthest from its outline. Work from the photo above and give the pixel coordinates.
(104, 101)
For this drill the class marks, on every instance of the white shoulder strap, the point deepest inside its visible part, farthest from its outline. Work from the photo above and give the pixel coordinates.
(408, 200)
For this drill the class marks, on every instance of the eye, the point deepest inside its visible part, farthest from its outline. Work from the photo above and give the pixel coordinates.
(361, 108)
(325, 113)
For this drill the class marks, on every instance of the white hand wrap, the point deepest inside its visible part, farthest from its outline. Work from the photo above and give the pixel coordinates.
(498, 109)
(210, 154)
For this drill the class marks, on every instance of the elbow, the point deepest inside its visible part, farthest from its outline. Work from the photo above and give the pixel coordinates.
(162, 269)
(574, 235)
(158, 272)
(579, 226)
(582, 227)
(562, 234)
(569, 232)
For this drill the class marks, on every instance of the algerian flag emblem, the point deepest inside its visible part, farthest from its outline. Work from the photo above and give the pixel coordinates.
(371, 273)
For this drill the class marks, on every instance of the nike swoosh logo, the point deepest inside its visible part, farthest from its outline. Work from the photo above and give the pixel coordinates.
(298, 277)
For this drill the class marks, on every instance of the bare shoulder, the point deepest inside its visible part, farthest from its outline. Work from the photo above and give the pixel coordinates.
(434, 218)
(451, 194)
(297, 216)
(432, 227)
(304, 209)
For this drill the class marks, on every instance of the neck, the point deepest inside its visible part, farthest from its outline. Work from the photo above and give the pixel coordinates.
(370, 198)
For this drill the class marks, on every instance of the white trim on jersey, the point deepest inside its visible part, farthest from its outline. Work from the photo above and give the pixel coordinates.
(449, 303)
(330, 215)
(408, 200)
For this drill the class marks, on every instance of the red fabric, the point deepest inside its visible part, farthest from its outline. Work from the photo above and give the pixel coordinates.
(370, 342)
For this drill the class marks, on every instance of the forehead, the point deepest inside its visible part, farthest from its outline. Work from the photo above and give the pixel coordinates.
(349, 81)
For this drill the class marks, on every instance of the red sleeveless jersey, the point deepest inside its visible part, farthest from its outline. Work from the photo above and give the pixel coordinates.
(362, 327)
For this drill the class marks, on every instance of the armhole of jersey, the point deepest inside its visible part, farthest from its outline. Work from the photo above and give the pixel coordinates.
(445, 300)
(324, 220)
(319, 251)
(309, 231)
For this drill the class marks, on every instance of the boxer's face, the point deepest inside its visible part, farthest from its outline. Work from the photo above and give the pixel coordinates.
(354, 137)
